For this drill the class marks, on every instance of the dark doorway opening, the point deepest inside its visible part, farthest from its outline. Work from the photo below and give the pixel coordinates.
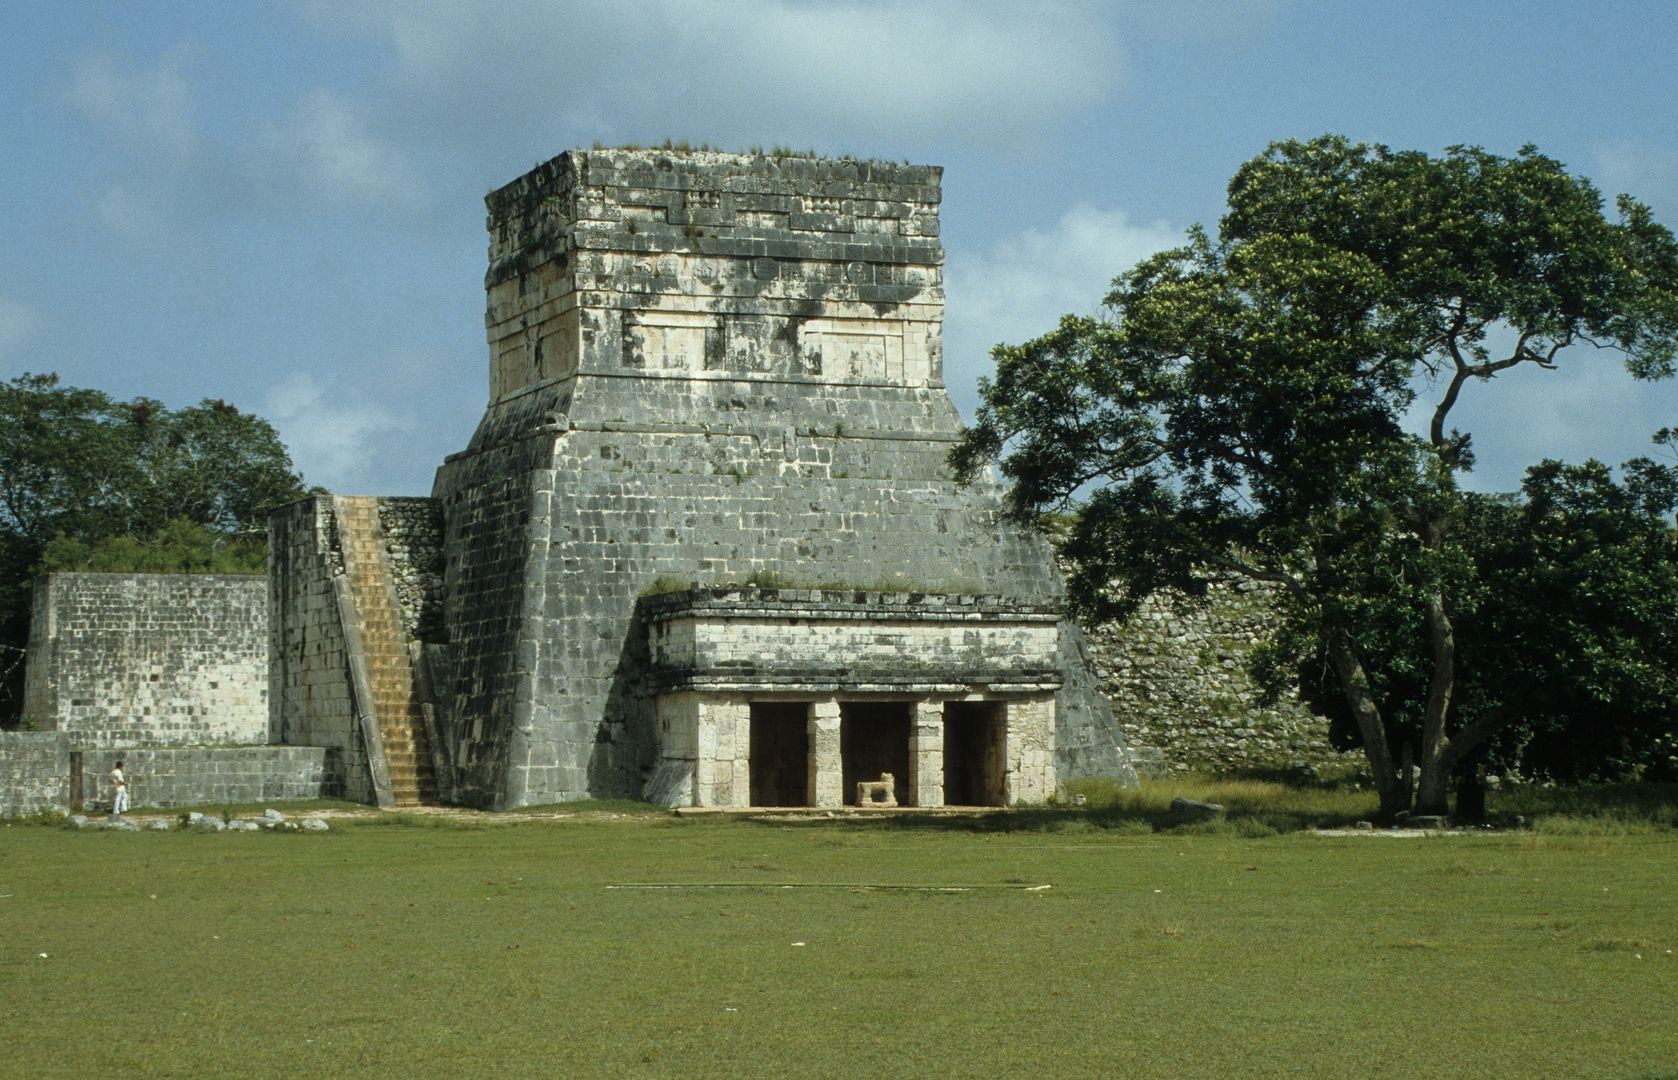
(780, 754)
(973, 761)
(874, 739)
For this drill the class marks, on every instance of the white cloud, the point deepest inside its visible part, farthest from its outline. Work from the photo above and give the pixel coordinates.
(18, 324)
(151, 111)
(151, 117)
(331, 435)
(1020, 288)
(323, 149)
(129, 213)
(710, 69)
(325, 144)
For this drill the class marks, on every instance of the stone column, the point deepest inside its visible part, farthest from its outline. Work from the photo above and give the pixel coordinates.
(723, 766)
(705, 755)
(678, 736)
(926, 754)
(826, 778)
(1030, 751)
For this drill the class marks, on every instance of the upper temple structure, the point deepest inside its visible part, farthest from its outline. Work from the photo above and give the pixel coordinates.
(704, 547)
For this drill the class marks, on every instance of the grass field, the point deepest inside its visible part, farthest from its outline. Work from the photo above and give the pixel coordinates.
(648, 946)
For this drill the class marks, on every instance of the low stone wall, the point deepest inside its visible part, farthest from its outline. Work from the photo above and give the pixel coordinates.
(149, 659)
(1178, 682)
(222, 774)
(34, 772)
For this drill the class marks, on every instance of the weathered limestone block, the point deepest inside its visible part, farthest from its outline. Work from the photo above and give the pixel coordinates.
(927, 756)
(826, 780)
(1030, 752)
(819, 640)
(34, 772)
(170, 776)
(150, 659)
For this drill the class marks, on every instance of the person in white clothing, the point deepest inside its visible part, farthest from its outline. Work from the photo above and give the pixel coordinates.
(119, 784)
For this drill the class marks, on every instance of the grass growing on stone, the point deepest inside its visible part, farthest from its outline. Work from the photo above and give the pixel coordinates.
(660, 947)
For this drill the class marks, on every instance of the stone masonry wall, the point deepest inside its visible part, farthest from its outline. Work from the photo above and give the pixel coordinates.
(308, 674)
(820, 640)
(707, 367)
(196, 777)
(150, 659)
(34, 772)
(820, 269)
(1177, 679)
(413, 532)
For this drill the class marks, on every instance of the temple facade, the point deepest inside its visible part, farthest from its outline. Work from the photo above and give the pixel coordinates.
(704, 547)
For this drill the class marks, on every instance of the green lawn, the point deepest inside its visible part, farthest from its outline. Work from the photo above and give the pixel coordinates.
(541, 950)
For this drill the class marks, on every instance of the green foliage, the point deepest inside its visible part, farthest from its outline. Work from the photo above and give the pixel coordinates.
(180, 547)
(90, 482)
(769, 578)
(49, 817)
(765, 578)
(77, 462)
(1565, 628)
(685, 146)
(667, 583)
(1241, 413)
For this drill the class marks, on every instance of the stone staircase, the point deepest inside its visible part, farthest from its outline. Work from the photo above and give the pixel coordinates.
(396, 704)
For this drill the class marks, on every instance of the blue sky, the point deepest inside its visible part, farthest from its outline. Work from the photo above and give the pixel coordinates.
(279, 202)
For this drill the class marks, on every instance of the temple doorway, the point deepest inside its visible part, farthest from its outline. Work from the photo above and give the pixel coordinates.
(874, 740)
(780, 753)
(974, 764)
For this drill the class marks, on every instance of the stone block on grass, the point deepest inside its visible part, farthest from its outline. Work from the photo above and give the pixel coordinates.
(1192, 810)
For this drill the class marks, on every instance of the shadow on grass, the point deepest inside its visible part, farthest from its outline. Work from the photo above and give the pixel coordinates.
(1259, 807)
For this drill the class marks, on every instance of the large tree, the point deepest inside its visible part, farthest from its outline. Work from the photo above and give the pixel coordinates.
(1241, 411)
(1566, 632)
(90, 482)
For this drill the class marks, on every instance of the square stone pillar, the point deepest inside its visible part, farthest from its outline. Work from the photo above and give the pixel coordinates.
(827, 786)
(926, 754)
(678, 737)
(1030, 751)
(723, 759)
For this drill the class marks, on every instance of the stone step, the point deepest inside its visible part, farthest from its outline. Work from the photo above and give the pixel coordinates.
(383, 640)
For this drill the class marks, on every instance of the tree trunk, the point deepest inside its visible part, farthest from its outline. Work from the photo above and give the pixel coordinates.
(1355, 681)
(1437, 752)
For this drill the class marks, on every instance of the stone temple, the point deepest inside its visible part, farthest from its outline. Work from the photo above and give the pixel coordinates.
(703, 547)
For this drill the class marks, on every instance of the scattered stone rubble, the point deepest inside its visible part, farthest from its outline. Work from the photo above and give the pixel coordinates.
(270, 821)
